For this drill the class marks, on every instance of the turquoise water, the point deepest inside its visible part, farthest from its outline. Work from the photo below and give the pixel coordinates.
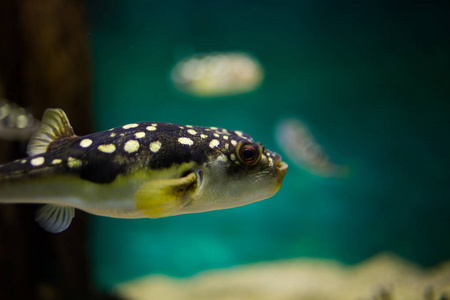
(372, 81)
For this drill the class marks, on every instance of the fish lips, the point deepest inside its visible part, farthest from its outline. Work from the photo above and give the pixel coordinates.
(281, 168)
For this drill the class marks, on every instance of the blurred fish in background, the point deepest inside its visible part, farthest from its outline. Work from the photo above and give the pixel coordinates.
(16, 123)
(298, 143)
(217, 74)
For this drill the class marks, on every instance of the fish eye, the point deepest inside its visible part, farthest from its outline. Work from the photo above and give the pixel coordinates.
(249, 154)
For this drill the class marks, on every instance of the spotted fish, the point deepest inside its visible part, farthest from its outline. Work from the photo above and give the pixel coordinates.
(16, 123)
(138, 170)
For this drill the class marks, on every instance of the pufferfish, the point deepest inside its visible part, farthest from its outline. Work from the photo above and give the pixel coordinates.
(139, 170)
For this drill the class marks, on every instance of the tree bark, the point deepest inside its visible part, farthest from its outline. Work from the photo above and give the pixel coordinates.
(44, 62)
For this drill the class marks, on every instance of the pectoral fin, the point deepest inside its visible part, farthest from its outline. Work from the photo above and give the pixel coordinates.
(163, 197)
(55, 218)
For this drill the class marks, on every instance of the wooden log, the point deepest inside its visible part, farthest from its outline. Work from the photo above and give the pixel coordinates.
(44, 62)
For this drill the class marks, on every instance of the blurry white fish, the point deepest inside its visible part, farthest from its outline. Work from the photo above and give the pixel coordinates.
(300, 146)
(16, 123)
(217, 74)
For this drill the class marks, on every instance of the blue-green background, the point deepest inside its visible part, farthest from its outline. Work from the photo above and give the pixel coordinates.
(372, 80)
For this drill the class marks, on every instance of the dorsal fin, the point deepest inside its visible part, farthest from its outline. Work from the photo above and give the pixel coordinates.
(55, 126)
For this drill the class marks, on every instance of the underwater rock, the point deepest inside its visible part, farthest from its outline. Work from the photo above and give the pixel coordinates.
(217, 74)
(298, 143)
(384, 276)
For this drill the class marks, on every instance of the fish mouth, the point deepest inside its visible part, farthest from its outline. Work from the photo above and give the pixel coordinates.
(281, 169)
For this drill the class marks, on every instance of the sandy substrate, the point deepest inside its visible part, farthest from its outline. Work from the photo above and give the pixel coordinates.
(383, 277)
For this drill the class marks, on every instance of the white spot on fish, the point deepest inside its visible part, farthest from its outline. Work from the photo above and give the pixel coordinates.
(238, 133)
(227, 146)
(86, 143)
(112, 134)
(37, 161)
(155, 146)
(189, 126)
(214, 143)
(128, 126)
(139, 135)
(216, 135)
(192, 131)
(23, 161)
(233, 156)
(203, 136)
(222, 158)
(154, 124)
(131, 146)
(225, 137)
(185, 141)
(73, 162)
(213, 128)
(224, 131)
(233, 142)
(56, 161)
(151, 128)
(109, 148)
